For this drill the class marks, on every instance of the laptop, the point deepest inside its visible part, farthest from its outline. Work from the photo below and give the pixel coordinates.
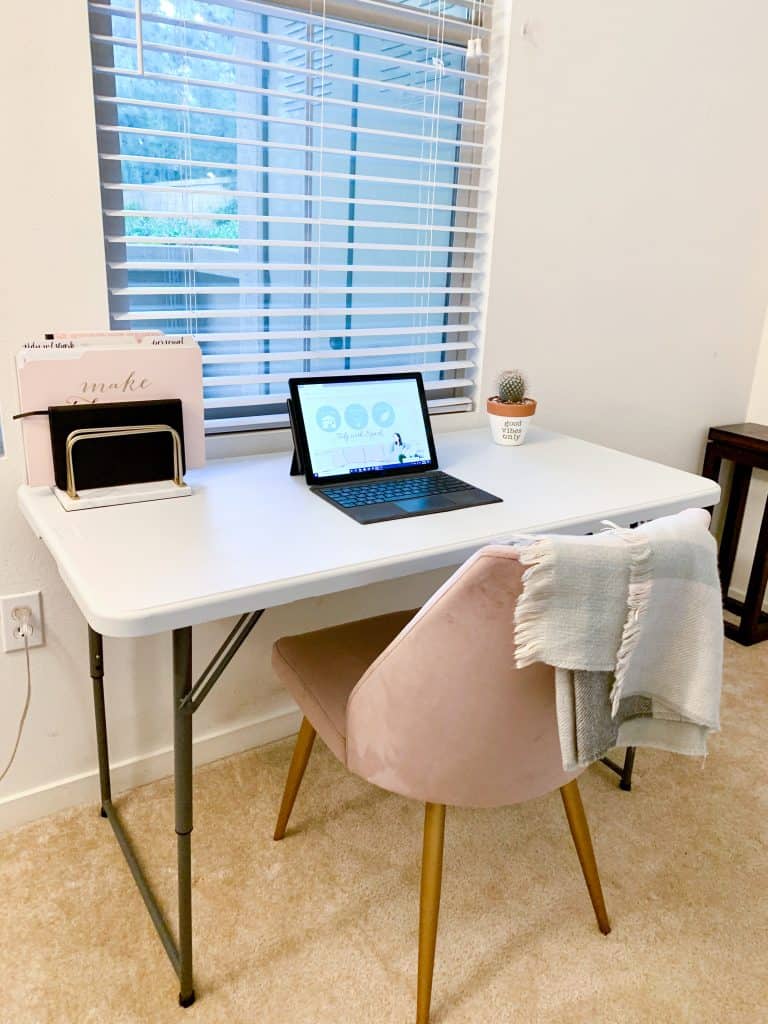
(365, 445)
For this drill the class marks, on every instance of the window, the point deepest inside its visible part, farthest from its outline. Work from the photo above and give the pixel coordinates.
(299, 184)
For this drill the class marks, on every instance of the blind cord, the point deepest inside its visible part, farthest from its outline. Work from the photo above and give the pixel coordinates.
(25, 629)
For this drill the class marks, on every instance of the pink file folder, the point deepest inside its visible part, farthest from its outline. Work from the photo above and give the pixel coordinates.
(88, 373)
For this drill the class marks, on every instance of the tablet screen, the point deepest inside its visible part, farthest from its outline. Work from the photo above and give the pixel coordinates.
(364, 426)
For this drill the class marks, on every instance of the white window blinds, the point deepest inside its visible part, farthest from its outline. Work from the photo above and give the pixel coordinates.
(299, 184)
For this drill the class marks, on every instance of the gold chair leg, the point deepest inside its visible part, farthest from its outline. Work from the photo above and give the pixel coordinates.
(577, 820)
(301, 752)
(431, 883)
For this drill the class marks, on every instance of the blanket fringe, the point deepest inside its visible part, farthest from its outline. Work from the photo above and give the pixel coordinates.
(532, 604)
(637, 602)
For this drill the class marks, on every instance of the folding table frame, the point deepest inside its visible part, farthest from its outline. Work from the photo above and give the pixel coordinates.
(187, 698)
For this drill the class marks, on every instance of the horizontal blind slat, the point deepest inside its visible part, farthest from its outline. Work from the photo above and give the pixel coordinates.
(275, 421)
(308, 100)
(329, 126)
(290, 69)
(249, 267)
(421, 20)
(283, 243)
(289, 290)
(278, 40)
(359, 353)
(306, 11)
(276, 312)
(231, 337)
(479, 10)
(268, 169)
(277, 399)
(256, 218)
(240, 424)
(193, 191)
(190, 138)
(391, 20)
(282, 378)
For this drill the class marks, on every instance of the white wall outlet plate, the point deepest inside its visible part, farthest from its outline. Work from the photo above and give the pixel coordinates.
(12, 640)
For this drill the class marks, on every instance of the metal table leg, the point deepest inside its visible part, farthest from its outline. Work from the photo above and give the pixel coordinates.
(187, 698)
(96, 651)
(182, 771)
(625, 770)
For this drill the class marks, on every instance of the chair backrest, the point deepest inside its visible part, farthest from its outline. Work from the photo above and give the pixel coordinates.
(443, 715)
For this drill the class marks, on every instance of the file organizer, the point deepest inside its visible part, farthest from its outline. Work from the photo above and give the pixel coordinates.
(121, 494)
(124, 411)
(117, 453)
(91, 373)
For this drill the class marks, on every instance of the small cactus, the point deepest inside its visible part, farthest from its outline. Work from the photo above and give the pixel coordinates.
(511, 387)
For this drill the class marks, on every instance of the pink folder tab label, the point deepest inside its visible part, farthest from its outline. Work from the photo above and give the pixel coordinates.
(88, 375)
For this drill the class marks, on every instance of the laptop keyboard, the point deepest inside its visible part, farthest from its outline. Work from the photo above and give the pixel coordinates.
(396, 489)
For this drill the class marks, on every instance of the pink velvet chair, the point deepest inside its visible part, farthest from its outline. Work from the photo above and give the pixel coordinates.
(429, 705)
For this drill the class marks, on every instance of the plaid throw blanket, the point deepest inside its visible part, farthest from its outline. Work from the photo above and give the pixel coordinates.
(632, 622)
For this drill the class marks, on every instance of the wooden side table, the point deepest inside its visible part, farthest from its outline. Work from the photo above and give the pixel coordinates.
(746, 445)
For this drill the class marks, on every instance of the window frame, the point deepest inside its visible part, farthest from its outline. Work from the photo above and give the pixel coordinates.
(472, 145)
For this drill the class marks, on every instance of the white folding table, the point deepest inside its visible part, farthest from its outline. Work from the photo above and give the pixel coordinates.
(252, 537)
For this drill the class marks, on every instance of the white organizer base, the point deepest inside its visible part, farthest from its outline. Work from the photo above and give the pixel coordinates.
(128, 494)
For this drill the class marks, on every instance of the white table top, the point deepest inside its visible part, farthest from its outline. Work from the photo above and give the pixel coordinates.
(251, 536)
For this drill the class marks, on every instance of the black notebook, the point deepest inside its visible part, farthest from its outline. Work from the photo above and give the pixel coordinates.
(112, 461)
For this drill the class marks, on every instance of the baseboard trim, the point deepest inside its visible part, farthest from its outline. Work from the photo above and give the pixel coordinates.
(21, 808)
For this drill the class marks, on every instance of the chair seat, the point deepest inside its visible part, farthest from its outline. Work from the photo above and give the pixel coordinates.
(320, 669)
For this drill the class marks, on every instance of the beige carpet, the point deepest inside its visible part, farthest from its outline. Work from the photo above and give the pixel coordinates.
(321, 928)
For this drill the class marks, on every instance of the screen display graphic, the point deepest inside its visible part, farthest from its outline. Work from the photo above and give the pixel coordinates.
(363, 426)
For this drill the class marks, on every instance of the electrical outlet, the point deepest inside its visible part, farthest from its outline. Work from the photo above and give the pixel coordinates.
(10, 625)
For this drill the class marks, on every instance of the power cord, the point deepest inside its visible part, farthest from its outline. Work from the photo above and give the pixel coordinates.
(23, 631)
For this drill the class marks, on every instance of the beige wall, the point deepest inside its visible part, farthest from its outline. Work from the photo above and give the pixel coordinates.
(630, 269)
(628, 280)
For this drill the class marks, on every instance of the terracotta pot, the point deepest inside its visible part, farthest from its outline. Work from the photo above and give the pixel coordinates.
(509, 420)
